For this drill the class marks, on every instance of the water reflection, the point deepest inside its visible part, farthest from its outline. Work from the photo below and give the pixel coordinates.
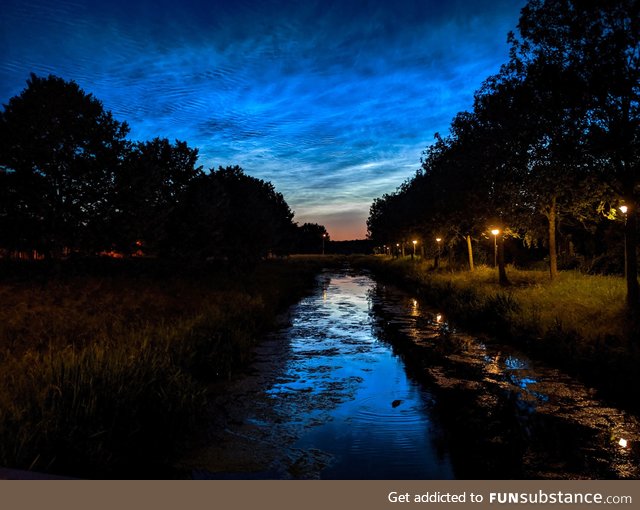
(555, 426)
(349, 392)
(372, 384)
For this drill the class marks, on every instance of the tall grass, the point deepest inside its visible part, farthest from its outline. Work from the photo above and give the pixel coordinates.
(101, 375)
(576, 321)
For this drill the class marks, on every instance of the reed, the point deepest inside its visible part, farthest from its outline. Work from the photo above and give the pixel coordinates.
(103, 375)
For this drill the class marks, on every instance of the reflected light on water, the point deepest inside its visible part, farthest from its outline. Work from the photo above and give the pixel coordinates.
(492, 365)
(414, 312)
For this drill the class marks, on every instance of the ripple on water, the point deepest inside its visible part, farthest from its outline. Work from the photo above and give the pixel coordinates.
(363, 410)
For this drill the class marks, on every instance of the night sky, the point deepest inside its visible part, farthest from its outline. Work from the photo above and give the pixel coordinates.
(331, 101)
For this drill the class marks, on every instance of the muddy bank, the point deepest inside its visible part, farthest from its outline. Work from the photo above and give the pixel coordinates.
(244, 437)
(606, 360)
(506, 415)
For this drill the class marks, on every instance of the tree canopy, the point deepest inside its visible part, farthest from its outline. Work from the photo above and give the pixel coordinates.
(59, 154)
(552, 143)
(71, 182)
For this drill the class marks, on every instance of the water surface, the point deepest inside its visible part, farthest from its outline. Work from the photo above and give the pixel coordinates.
(365, 382)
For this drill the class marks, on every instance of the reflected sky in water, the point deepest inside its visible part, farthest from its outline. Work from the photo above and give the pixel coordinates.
(333, 101)
(350, 393)
(366, 382)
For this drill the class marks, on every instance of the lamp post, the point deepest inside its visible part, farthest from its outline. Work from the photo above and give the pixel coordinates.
(414, 248)
(437, 263)
(323, 238)
(624, 210)
(495, 233)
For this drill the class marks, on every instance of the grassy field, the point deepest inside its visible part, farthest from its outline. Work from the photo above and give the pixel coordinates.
(578, 321)
(104, 367)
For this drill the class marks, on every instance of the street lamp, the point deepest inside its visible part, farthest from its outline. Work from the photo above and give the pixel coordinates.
(437, 262)
(414, 248)
(495, 233)
(624, 210)
(323, 238)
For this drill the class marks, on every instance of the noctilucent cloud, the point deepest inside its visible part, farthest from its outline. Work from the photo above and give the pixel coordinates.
(331, 101)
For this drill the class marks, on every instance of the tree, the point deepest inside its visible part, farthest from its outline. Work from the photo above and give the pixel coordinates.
(198, 224)
(488, 162)
(256, 220)
(310, 238)
(148, 189)
(59, 151)
(599, 41)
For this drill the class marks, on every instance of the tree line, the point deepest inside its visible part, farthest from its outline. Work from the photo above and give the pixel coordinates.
(71, 182)
(550, 151)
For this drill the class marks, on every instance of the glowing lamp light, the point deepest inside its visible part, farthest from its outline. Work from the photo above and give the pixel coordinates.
(623, 442)
(624, 209)
(414, 242)
(438, 239)
(438, 317)
(495, 233)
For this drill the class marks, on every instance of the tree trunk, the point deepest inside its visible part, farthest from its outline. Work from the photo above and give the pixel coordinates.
(502, 272)
(553, 253)
(631, 260)
(470, 251)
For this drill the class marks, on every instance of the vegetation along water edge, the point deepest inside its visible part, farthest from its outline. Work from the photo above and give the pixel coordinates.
(105, 367)
(577, 322)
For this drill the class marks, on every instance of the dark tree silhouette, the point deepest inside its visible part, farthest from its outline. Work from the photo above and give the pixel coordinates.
(197, 226)
(242, 218)
(599, 41)
(309, 238)
(554, 135)
(59, 151)
(148, 189)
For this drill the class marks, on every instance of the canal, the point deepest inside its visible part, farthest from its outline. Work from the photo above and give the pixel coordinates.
(364, 382)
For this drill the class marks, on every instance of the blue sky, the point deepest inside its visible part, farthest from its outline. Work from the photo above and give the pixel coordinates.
(331, 101)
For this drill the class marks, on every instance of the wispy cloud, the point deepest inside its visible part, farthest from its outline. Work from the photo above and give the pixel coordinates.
(332, 101)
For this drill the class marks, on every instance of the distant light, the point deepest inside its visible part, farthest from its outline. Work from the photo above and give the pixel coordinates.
(495, 231)
(623, 442)
(624, 209)
(415, 303)
(438, 239)
(438, 317)
(414, 242)
(398, 244)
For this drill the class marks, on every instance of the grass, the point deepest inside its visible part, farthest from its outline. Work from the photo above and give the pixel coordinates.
(577, 322)
(104, 368)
